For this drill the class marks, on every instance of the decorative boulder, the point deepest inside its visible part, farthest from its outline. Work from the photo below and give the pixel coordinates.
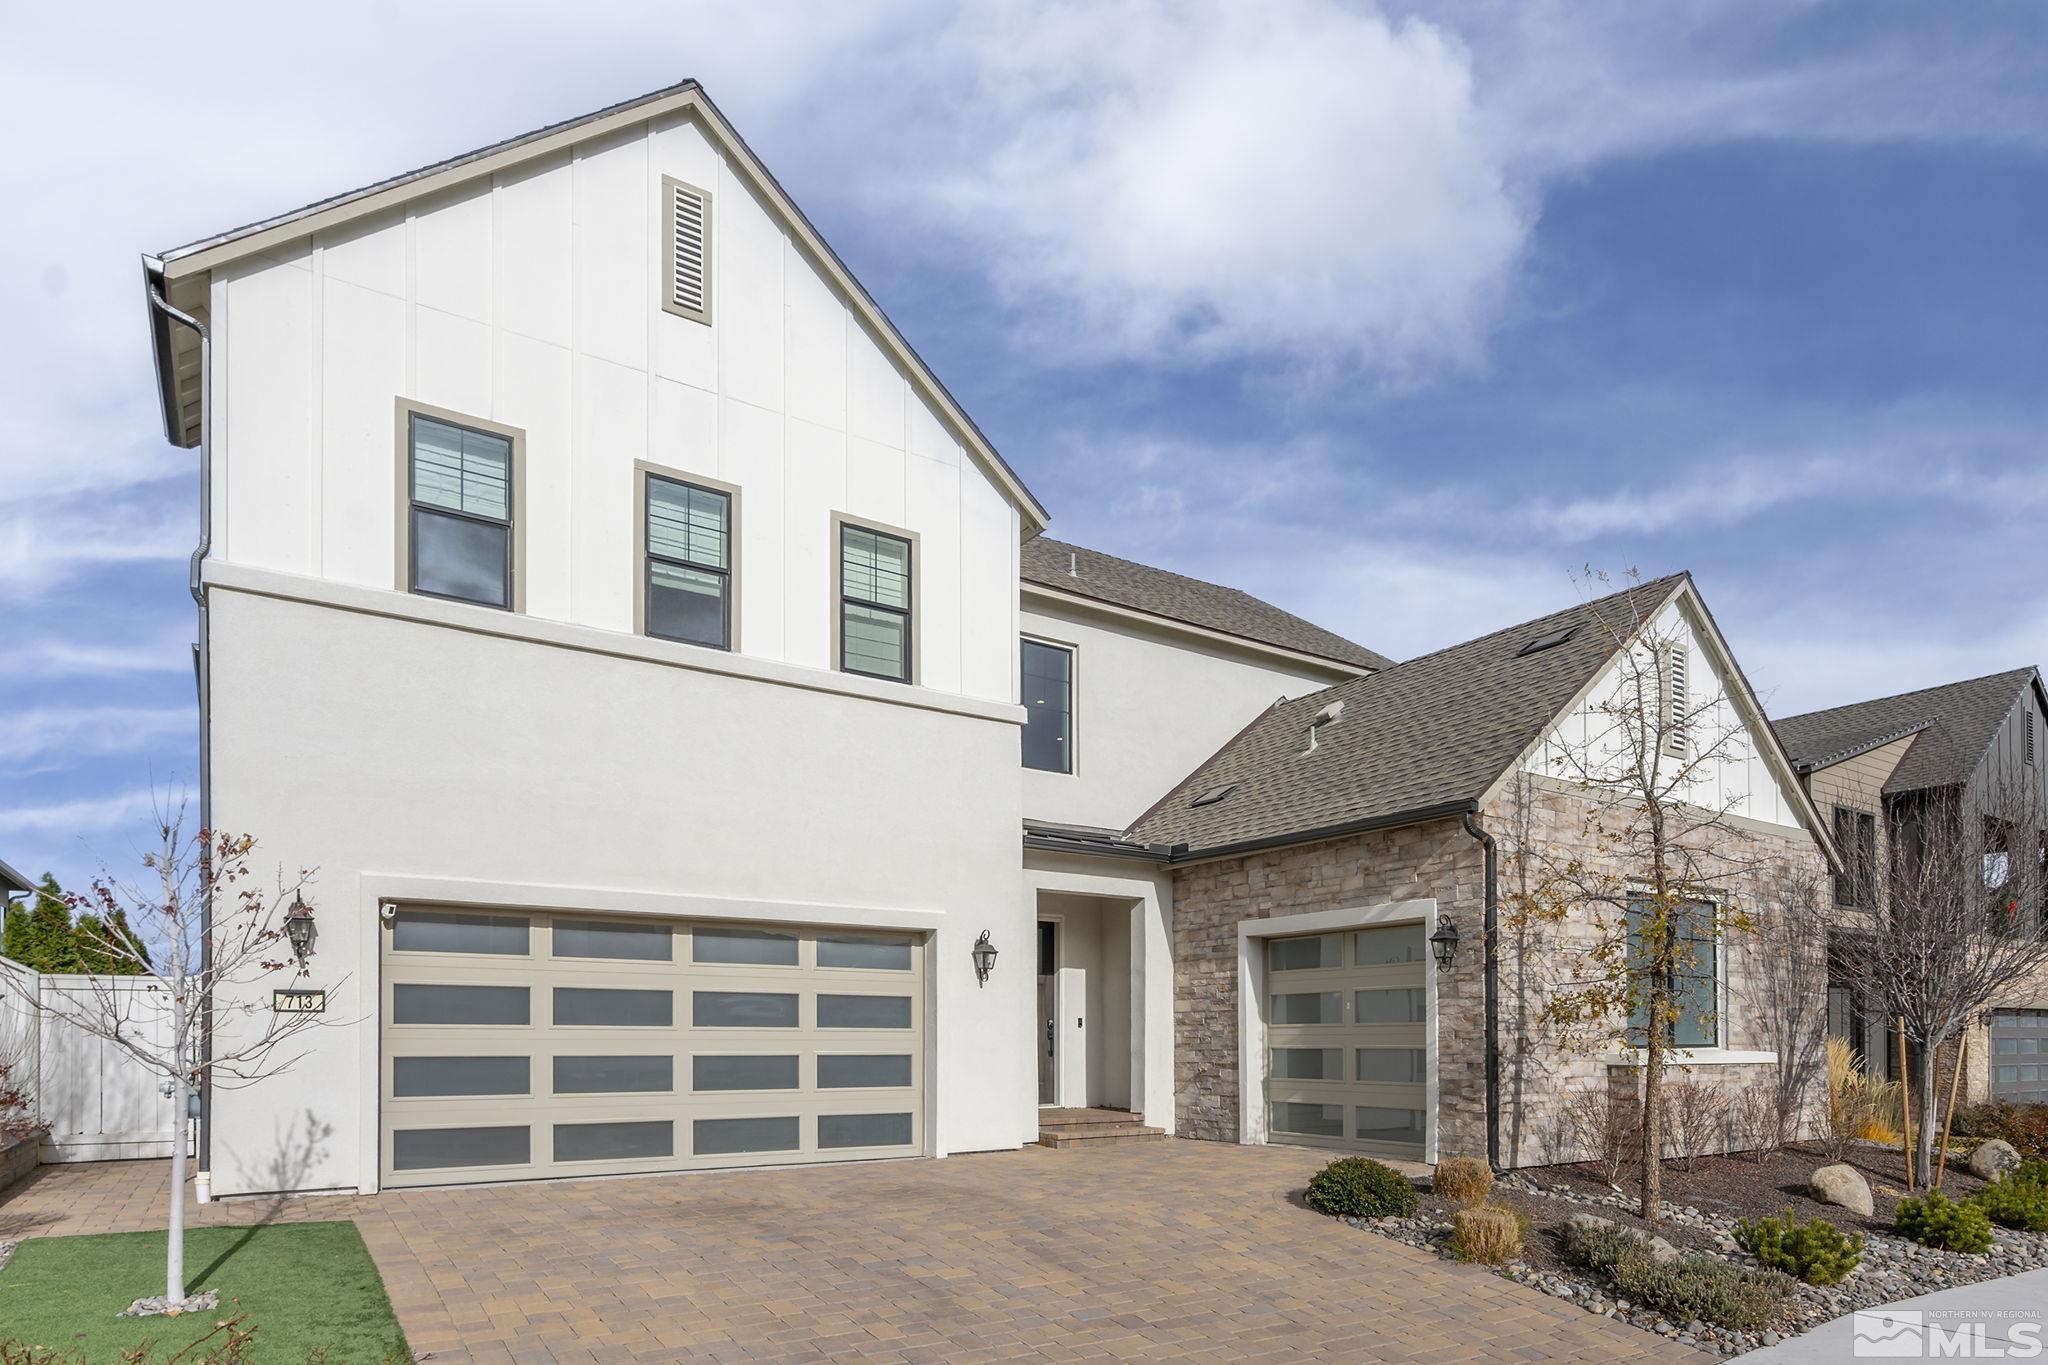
(1993, 1158)
(1844, 1187)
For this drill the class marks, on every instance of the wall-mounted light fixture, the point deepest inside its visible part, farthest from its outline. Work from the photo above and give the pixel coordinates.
(1444, 943)
(984, 958)
(298, 927)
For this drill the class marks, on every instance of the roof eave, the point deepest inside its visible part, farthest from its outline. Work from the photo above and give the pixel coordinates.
(1087, 601)
(10, 880)
(1419, 815)
(1805, 765)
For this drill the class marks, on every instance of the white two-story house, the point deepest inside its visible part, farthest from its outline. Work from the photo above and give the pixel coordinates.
(641, 644)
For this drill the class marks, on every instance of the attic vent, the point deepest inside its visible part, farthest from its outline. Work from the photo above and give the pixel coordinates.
(1212, 796)
(1327, 716)
(1677, 699)
(2030, 733)
(686, 264)
(1548, 640)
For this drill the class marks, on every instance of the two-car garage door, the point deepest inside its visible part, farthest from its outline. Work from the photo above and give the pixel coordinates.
(522, 1045)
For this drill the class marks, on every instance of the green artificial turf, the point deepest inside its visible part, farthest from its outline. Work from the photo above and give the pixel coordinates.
(302, 1286)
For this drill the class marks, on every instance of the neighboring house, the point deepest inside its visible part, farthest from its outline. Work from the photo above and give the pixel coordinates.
(1313, 857)
(1869, 765)
(13, 884)
(607, 602)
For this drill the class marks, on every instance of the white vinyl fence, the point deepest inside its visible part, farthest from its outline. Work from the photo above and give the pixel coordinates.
(97, 1102)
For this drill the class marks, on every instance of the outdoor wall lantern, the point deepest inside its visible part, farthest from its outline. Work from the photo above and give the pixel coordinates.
(1444, 943)
(298, 927)
(984, 958)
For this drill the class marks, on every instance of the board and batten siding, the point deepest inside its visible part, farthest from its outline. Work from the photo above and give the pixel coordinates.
(533, 300)
(1744, 786)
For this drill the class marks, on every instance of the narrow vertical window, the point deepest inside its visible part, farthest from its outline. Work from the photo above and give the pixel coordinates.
(686, 255)
(874, 603)
(460, 532)
(1693, 978)
(688, 573)
(1048, 694)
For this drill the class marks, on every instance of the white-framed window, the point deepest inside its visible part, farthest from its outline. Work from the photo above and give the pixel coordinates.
(1694, 980)
(1047, 690)
(876, 623)
(686, 583)
(460, 536)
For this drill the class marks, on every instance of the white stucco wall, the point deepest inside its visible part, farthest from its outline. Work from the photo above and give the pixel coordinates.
(532, 300)
(363, 736)
(1743, 784)
(1150, 704)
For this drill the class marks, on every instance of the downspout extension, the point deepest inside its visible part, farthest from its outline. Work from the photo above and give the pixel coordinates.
(203, 681)
(1490, 945)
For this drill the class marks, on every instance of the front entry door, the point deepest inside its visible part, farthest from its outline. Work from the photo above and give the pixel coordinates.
(1048, 1005)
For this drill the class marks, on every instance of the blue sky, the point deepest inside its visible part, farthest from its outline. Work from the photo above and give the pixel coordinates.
(1397, 316)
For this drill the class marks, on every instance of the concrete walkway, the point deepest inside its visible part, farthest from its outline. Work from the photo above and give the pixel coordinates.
(1158, 1250)
(2004, 1317)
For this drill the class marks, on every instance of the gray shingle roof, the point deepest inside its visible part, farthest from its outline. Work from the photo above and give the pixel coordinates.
(1068, 568)
(1421, 736)
(1954, 724)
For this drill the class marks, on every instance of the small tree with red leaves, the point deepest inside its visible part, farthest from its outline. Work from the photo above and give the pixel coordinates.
(215, 934)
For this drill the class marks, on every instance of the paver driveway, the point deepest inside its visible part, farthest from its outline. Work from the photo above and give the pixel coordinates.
(1167, 1250)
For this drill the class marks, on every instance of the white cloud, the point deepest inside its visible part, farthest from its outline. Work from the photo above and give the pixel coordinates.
(59, 658)
(40, 738)
(92, 814)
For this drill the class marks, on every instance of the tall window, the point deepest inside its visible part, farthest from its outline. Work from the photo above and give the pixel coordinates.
(1856, 837)
(874, 603)
(1694, 982)
(1048, 694)
(689, 563)
(460, 528)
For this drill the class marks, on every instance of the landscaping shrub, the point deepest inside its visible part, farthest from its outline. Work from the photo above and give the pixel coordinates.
(2012, 1203)
(1604, 1124)
(1935, 1220)
(2025, 1126)
(1601, 1249)
(1360, 1188)
(1757, 1121)
(1860, 1106)
(1730, 1296)
(1486, 1233)
(1817, 1252)
(1464, 1180)
(1695, 1121)
(2029, 1173)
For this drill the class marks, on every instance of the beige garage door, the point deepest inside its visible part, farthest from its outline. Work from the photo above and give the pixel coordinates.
(1347, 1064)
(522, 1045)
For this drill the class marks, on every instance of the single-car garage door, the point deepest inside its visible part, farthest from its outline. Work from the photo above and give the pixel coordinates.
(523, 1045)
(2019, 1056)
(1346, 1040)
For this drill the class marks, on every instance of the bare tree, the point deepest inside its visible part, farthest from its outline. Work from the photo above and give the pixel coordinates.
(214, 934)
(1783, 995)
(1958, 897)
(1656, 876)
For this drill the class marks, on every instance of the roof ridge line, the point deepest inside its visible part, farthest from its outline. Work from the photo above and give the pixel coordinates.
(1909, 692)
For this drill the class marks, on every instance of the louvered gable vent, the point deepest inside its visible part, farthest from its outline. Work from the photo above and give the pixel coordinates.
(1678, 700)
(686, 266)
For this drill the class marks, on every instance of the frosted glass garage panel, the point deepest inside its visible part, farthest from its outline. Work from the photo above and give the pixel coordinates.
(425, 1149)
(1392, 1065)
(864, 1011)
(1309, 1007)
(1399, 1127)
(1305, 954)
(460, 1005)
(418, 1077)
(614, 1075)
(863, 1071)
(742, 1009)
(599, 1007)
(1307, 1120)
(744, 947)
(625, 1141)
(863, 1130)
(625, 942)
(728, 1137)
(1394, 945)
(1400, 1006)
(438, 931)
(743, 1073)
(870, 953)
(1308, 1064)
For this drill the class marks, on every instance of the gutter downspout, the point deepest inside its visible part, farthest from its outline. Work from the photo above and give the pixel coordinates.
(1491, 946)
(203, 678)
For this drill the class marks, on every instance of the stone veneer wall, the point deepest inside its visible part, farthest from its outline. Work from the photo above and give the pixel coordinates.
(1440, 861)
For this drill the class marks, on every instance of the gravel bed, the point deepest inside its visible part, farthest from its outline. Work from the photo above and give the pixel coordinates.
(1892, 1267)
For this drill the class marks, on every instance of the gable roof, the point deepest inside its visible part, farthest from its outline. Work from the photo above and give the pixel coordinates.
(1953, 725)
(177, 368)
(1060, 567)
(12, 881)
(1424, 738)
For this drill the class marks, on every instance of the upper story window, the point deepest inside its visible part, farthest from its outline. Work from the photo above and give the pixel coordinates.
(461, 539)
(876, 626)
(686, 582)
(1048, 693)
(1856, 837)
(1694, 980)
